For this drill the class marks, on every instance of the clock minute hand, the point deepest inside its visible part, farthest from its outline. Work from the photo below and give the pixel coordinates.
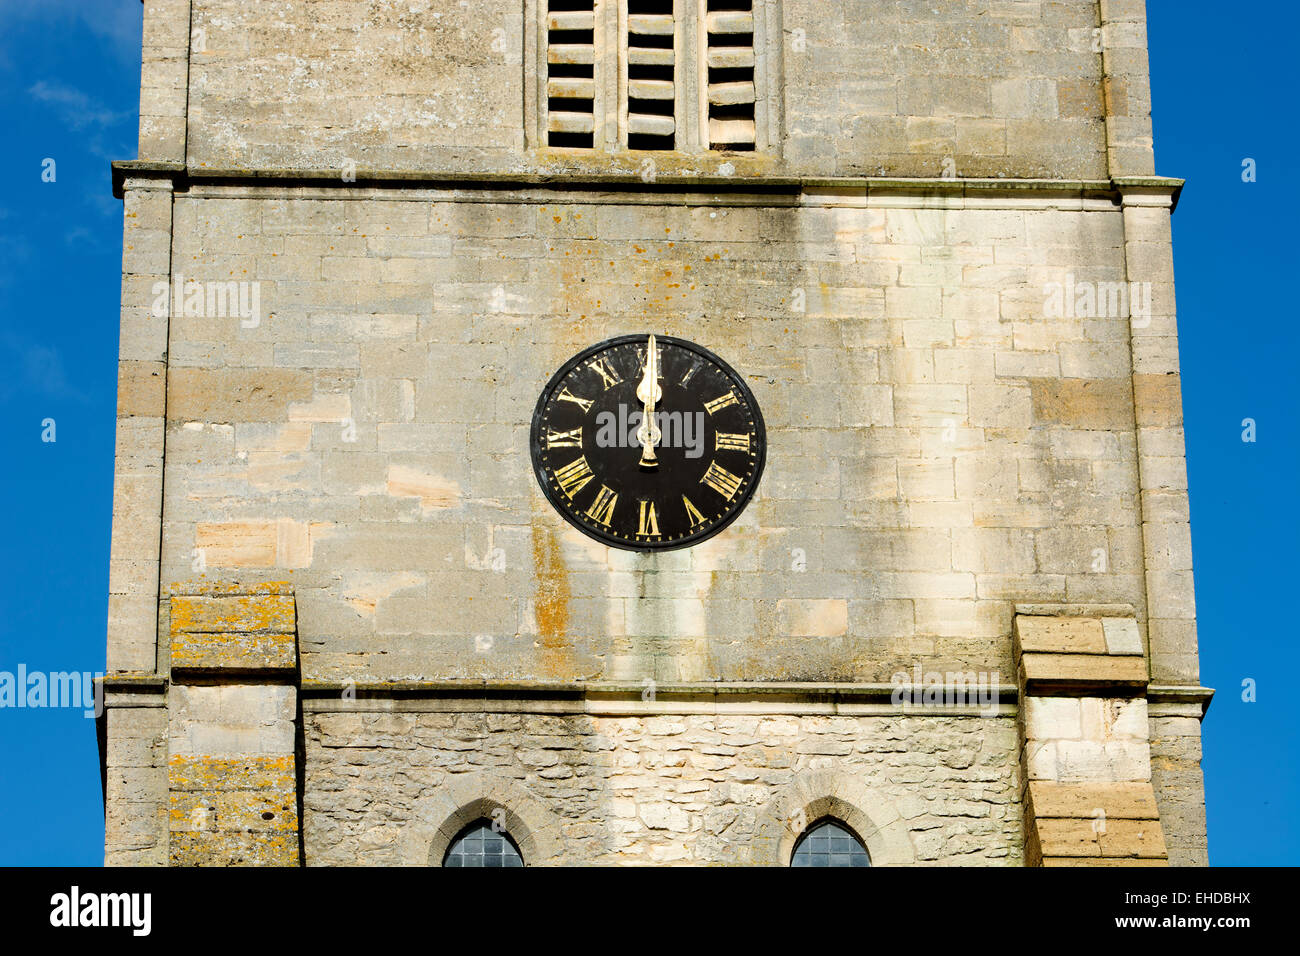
(649, 393)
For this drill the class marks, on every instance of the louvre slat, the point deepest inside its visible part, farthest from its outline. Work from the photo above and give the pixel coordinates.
(730, 94)
(734, 131)
(731, 57)
(649, 124)
(572, 20)
(651, 24)
(731, 21)
(571, 87)
(647, 56)
(580, 53)
(650, 89)
(570, 122)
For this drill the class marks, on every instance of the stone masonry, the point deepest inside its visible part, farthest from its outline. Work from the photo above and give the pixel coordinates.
(691, 789)
(352, 260)
(1085, 733)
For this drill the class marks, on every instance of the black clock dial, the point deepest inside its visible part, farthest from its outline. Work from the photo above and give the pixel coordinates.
(656, 481)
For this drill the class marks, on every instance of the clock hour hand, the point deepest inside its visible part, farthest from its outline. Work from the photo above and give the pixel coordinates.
(648, 393)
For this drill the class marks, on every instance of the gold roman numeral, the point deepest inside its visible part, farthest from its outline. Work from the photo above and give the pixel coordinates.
(602, 368)
(571, 439)
(568, 396)
(602, 509)
(721, 402)
(648, 522)
(692, 512)
(573, 476)
(721, 481)
(690, 372)
(731, 441)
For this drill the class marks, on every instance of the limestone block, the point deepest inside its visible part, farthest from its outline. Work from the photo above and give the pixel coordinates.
(280, 543)
(1115, 839)
(235, 395)
(1053, 718)
(1059, 635)
(1082, 403)
(141, 389)
(1119, 800)
(1122, 636)
(1042, 670)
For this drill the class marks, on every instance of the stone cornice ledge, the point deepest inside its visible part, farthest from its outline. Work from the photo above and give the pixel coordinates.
(619, 698)
(134, 681)
(1181, 694)
(828, 690)
(133, 689)
(828, 696)
(1160, 188)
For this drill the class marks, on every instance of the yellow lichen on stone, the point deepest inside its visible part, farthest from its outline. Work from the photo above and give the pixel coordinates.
(232, 811)
(237, 632)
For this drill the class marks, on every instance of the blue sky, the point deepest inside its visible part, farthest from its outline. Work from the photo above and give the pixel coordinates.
(69, 84)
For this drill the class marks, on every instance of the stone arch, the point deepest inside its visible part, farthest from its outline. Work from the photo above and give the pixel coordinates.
(815, 794)
(464, 798)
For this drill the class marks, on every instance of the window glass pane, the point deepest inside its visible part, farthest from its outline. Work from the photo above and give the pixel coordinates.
(479, 845)
(829, 843)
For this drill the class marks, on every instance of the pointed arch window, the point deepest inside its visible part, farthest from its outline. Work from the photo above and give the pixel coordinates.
(479, 844)
(828, 842)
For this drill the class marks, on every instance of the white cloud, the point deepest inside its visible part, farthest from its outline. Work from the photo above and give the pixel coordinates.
(34, 369)
(76, 108)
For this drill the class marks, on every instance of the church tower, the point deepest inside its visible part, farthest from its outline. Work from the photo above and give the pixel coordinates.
(637, 432)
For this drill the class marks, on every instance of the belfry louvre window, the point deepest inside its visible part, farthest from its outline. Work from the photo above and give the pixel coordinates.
(571, 72)
(729, 90)
(682, 75)
(649, 69)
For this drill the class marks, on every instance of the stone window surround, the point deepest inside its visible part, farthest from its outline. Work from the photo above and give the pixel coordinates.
(816, 794)
(810, 797)
(441, 816)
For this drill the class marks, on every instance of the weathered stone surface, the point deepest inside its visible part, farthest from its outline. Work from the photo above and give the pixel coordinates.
(242, 613)
(245, 632)
(646, 790)
(1083, 670)
(135, 799)
(233, 848)
(1119, 801)
(234, 652)
(437, 479)
(233, 809)
(1060, 635)
(1082, 403)
(243, 772)
(1115, 839)
(233, 395)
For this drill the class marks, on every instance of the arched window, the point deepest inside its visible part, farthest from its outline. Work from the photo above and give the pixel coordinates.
(480, 845)
(828, 842)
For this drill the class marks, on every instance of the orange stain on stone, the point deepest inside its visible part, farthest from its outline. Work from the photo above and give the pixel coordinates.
(551, 603)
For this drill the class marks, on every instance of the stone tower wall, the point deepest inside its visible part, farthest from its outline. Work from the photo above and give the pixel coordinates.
(947, 279)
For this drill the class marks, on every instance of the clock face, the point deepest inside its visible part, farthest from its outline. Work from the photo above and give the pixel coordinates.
(648, 442)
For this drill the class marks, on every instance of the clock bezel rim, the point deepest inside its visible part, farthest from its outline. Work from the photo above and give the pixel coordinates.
(539, 472)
